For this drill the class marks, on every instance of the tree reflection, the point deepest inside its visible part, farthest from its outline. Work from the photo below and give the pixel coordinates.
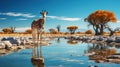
(72, 41)
(51, 38)
(100, 52)
(58, 40)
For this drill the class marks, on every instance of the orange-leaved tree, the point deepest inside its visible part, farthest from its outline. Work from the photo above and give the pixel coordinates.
(99, 19)
(72, 29)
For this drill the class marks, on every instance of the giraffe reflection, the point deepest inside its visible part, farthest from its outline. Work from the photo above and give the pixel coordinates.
(37, 27)
(37, 58)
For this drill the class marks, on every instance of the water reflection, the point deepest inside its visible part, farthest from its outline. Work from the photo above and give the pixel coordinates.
(100, 52)
(51, 38)
(58, 40)
(65, 55)
(97, 51)
(37, 58)
(72, 41)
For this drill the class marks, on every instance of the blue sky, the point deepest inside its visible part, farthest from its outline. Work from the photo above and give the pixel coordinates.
(21, 13)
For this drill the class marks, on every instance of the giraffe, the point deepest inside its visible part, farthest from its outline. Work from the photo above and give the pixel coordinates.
(38, 26)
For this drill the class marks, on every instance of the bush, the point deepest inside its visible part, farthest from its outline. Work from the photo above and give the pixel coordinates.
(28, 31)
(88, 32)
(67, 33)
(79, 33)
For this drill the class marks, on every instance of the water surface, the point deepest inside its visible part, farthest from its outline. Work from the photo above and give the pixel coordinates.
(61, 53)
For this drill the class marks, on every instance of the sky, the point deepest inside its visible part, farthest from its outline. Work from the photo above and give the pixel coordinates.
(21, 13)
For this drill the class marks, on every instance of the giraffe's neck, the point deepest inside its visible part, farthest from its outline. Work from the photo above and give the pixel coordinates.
(44, 18)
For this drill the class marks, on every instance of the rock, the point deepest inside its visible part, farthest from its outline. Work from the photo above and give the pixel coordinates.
(11, 40)
(2, 45)
(117, 40)
(13, 47)
(109, 40)
(7, 44)
(20, 47)
(3, 39)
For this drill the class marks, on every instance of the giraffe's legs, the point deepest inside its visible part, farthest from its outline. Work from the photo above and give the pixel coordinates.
(39, 42)
(37, 38)
(37, 34)
(40, 36)
(34, 37)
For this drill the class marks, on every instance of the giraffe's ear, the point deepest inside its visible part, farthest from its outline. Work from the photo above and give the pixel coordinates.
(40, 12)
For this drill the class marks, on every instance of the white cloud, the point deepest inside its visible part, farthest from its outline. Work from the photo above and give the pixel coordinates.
(53, 17)
(18, 14)
(3, 18)
(69, 19)
(22, 29)
(64, 18)
(21, 19)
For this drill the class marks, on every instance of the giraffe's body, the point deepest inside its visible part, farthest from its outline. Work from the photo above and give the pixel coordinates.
(37, 24)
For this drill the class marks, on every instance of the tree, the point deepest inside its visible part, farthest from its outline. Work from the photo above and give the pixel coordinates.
(8, 30)
(112, 31)
(99, 19)
(72, 29)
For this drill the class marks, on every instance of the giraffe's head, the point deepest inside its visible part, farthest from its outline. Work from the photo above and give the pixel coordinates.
(44, 13)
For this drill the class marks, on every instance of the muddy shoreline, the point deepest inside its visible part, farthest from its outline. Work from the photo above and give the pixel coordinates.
(14, 49)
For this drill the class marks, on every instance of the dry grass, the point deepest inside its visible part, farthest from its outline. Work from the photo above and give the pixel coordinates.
(52, 35)
(117, 34)
(5, 35)
(46, 35)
